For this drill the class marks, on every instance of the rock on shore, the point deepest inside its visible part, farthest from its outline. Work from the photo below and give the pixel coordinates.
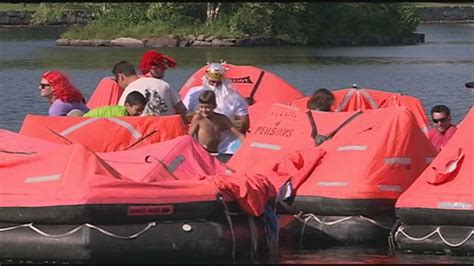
(211, 41)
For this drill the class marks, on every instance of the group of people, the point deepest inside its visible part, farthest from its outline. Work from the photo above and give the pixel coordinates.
(220, 117)
(219, 114)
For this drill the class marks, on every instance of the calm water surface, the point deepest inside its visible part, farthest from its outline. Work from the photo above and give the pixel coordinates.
(434, 71)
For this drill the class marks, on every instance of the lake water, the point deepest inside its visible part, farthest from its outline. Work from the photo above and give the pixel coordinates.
(434, 71)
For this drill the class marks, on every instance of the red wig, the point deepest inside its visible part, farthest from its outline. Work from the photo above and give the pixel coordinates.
(153, 58)
(63, 88)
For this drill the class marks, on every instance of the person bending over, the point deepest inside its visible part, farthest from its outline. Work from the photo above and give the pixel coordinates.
(321, 100)
(134, 105)
(208, 125)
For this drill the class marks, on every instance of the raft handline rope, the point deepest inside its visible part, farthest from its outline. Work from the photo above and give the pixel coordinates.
(436, 231)
(103, 231)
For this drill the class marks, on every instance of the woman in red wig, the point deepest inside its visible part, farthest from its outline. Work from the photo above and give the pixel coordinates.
(62, 95)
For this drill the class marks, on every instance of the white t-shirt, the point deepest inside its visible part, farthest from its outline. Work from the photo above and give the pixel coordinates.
(161, 99)
(229, 103)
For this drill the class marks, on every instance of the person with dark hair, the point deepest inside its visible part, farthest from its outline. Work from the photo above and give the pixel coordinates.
(321, 100)
(442, 129)
(61, 94)
(134, 105)
(161, 99)
(208, 125)
(229, 103)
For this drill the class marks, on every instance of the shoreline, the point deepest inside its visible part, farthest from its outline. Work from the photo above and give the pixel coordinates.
(428, 15)
(248, 41)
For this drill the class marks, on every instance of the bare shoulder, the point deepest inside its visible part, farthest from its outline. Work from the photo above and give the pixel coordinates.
(197, 117)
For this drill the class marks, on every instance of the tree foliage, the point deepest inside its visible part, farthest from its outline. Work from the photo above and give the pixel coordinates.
(297, 22)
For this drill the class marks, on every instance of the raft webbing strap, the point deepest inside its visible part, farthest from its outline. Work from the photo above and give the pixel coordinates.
(250, 99)
(59, 135)
(314, 128)
(370, 99)
(141, 139)
(253, 238)
(319, 139)
(344, 124)
(18, 152)
(345, 100)
(229, 220)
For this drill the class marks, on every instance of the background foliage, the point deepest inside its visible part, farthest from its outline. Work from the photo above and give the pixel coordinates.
(298, 23)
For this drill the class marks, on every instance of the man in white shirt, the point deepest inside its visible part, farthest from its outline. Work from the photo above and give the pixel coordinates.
(161, 99)
(229, 103)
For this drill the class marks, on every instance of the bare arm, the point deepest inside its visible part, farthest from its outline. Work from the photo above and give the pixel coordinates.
(194, 127)
(189, 117)
(237, 133)
(242, 123)
(182, 110)
(233, 129)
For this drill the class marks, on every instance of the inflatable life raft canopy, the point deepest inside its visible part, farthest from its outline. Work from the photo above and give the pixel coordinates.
(355, 99)
(71, 184)
(444, 192)
(251, 82)
(104, 134)
(369, 155)
(107, 92)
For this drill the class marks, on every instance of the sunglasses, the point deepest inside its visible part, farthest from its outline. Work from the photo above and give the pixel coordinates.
(43, 85)
(442, 120)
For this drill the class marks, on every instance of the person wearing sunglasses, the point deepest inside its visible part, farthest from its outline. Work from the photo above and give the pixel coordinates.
(442, 129)
(63, 96)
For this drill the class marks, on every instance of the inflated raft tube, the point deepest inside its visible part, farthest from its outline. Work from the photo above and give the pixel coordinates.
(134, 243)
(310, 230)
(435, 238)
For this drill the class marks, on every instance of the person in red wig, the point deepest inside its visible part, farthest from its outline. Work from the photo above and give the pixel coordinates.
(63, 96)
(161, 98)
(154, 64)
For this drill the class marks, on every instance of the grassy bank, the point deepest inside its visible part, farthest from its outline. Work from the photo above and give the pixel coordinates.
(18, 7)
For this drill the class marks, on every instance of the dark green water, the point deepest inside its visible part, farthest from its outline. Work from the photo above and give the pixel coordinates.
(434, 71)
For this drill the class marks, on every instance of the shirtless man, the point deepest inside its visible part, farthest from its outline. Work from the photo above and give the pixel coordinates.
(208, 125)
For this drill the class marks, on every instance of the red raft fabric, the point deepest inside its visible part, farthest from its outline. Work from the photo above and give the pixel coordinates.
(448, 183)
(271, 88)
(75, 175)
(182, 156)
(355, 99)
(104, 134)
(107, 92)
(282, 130)
(376, 155)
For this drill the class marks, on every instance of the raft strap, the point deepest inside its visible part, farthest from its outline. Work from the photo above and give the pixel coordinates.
(250, 99)
(141, 139)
